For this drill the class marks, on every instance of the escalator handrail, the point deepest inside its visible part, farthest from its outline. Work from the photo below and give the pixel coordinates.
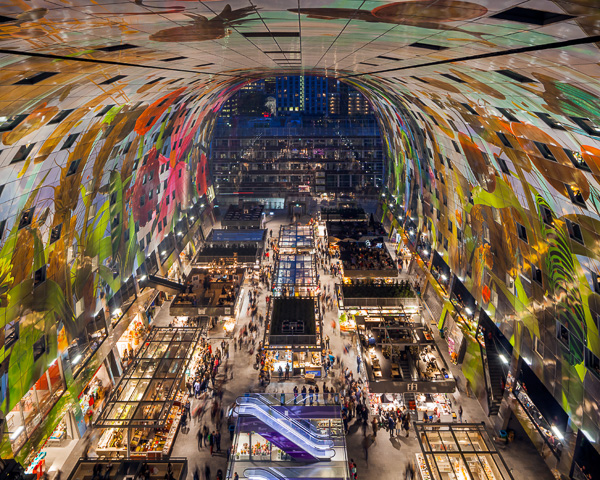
(324, 438)
(309, 428)
(315, 447)
(267, 474)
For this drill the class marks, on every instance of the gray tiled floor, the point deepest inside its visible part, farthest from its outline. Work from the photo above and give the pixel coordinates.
(386, 457)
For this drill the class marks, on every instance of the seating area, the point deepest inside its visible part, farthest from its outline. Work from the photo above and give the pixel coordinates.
(354, 230)
(209, 289)
(363, 256)
(362, 289)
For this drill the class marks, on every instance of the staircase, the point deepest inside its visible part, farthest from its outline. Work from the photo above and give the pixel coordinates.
(164, 284)
(404, 365)
(496, 375)
(409, 401)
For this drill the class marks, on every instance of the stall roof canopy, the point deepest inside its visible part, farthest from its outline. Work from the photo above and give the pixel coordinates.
(146, 392)
(296, 236)
(297, 270)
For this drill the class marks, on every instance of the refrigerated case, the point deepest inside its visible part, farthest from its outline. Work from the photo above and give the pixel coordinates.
(458, 452)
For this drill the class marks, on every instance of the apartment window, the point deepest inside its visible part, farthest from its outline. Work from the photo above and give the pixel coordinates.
(538, 346)
(587, 125)
(39, 276)
(575, 196)
(26, 218)
(574, 231)
(521, 232)
(508, 114)
(446, 244)
(2, 227)
(55, 233)
(150, 215)
(450, 226)
(503, 166)
(73, 166)
(592, 362)
(547, 215)
(142, 201)
(548, 120)
(11, 335)
(577, 160)
(537, 274)
(142, 244)
(562, 333)
(505, 141)
(545, 151)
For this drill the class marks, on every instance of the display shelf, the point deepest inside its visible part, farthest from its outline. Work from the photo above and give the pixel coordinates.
(422, 466)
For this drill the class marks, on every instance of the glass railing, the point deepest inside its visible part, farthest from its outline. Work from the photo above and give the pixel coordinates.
(314, 441)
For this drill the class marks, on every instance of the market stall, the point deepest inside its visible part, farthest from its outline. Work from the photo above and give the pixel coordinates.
(382, 403)
(458, 452)
(95, 393)
(436, 406)
(295, 239)
(132, 339)
(142, 415)
(295, 275)
(293, 333)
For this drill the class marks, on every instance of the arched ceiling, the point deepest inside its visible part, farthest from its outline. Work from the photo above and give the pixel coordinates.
(489, 111)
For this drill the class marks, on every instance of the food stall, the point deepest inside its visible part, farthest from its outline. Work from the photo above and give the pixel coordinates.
(381, 403)
(296, 239)
(94, 394)
(296, 275)
(458, 452)
(293, 333)
(132, 338)
(436, 406)
(143, 413)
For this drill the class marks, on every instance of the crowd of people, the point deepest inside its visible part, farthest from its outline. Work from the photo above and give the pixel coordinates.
(359, 256)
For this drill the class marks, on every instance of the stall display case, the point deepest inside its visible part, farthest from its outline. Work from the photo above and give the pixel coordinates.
(458, 452)
(143, 413)
(296, 239)
(436, 405)
(537, 418)
(382, 403)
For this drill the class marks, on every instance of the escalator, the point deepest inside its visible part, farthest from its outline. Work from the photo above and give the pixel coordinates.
(292, 430)
(164, 284)
(262, 474)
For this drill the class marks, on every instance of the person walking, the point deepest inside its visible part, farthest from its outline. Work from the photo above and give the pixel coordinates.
(287, 371)
(211, 442)
(199, 437)
(317, 394)
(207, 472)
(327, 341)
(304, 394)
(406, 424)
(391, 426)
(311, 394)
(460, 414)
(205, 433)
(295, 394)
(374, 425)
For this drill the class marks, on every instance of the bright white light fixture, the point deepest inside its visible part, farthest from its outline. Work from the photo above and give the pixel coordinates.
(588, 435)
(468, 310)
(17, 432)
(444, 277)
(76, 359)
(527, 360)
(504, 359)
(557, 432)
(142, 278)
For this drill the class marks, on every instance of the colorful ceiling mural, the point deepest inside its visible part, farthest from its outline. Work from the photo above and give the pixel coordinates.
(491, 119)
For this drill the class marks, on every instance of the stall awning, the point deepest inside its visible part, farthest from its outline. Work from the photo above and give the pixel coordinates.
(147, 391)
